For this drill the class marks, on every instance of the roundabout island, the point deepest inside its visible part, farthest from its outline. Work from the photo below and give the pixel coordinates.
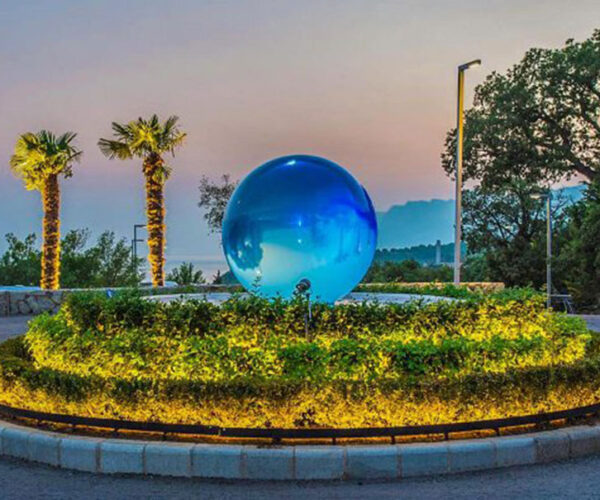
(251, 382)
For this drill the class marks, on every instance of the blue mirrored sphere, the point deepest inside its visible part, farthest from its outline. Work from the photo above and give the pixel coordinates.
(300, 217)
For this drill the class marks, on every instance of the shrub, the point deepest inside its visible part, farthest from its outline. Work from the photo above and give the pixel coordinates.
(134, 338)
(249, 361)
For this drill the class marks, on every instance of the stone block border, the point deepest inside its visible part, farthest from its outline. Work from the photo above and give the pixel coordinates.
(294, 463)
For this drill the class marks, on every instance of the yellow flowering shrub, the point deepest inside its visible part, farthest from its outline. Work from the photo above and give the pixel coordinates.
(250, 363)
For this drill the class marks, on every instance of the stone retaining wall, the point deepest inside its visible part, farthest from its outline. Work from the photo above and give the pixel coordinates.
(14, 303)
(28, 302)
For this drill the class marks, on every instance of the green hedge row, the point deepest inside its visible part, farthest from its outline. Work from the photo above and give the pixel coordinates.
(95, 311)
(248, 338)
(17, 365)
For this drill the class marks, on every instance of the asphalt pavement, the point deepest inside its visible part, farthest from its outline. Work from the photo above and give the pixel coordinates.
(574, 479)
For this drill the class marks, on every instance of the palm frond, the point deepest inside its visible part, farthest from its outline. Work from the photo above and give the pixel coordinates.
(36, 156)
(143, 137)
(170, 123)
(115, 149)
(122, 132)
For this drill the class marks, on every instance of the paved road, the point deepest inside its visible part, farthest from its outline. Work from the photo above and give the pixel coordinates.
(592, 320)
(13, 325)
(351, 298)
(576, 479)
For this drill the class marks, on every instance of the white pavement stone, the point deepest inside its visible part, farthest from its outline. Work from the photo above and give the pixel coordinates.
(369, 462)
(514, 450)
(80, 454)
(122, 457)
(423, 459)
(584, 440)
(15, 442)
(269, 463)
(44, 448)
(224, 462)
(172, 459)
(471, 455)
(294, 462)
(319, 462)
(551, 446)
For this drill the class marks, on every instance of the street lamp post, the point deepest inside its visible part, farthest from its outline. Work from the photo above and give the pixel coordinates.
(134, 243)
(548, 197)
(459, 167)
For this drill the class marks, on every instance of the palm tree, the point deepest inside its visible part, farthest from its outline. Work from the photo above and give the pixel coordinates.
(149, 140)
(39, 159)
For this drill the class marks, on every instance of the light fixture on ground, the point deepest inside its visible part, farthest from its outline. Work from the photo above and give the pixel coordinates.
(547, 195)
(459, 154)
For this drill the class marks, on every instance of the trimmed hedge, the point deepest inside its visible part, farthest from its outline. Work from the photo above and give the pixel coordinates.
(249, 363)
(248, 403)
(251, 338)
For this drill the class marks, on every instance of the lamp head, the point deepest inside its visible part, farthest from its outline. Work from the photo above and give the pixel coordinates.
(470, 64)
(303, 285)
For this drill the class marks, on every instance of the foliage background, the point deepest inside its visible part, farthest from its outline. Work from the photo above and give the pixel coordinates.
(107, 263)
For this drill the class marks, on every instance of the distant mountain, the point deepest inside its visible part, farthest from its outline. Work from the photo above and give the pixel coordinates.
(416, 223)
(424, 222)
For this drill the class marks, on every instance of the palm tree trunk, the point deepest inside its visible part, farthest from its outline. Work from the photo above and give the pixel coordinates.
(155, 213)
(51, 234)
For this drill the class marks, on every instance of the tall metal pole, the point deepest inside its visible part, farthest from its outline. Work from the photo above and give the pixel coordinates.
(459, 159)
(134, 243)
(549, 250)
(459, 166)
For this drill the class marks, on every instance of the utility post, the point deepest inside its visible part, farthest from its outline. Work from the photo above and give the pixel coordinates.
(134, 243)
(459, 166)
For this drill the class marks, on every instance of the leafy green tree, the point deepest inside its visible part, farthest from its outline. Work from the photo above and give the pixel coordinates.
(78, 267)
(149, 140)
(185, 274)
(20, 263)
(475, 268)
(578, 261)
(540, 121)
(536, 124)
(214, 197)
(114, 262)
(406, 271)
(106, 264)
(39, 159)
(507, 228)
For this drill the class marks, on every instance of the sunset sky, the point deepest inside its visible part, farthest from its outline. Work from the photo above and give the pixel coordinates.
(368, 84)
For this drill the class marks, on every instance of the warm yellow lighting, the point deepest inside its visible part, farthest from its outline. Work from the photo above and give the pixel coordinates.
(39, 159)
(51, 234)
(481, 359)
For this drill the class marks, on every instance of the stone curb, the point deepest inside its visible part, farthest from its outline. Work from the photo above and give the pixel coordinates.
(300, 463)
